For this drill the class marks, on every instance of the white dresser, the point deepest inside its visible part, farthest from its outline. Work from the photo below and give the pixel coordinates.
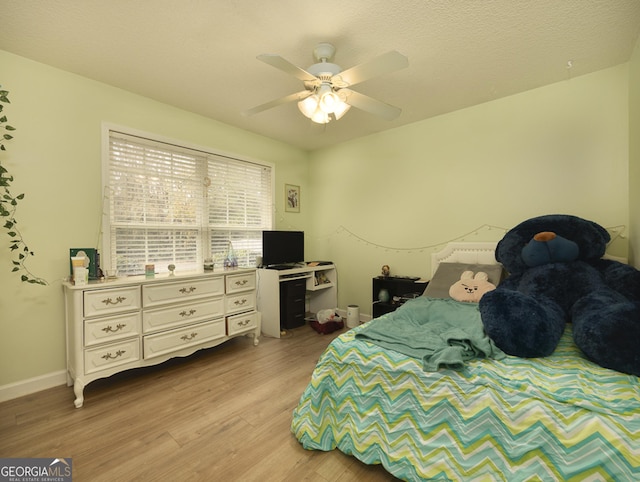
(135, 321)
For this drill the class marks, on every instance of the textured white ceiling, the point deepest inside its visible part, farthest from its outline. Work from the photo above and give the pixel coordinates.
(201, 55)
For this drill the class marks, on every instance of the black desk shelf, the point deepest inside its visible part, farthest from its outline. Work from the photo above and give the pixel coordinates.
(400, 289)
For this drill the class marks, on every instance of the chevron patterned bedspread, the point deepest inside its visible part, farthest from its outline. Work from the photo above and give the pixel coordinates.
(556, 418)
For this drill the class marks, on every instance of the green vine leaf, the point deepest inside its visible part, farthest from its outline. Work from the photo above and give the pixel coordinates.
(8, 199)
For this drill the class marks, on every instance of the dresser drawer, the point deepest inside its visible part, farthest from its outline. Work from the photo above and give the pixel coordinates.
(110, 356)
(153, 295)
(111, 301)
(240, 302)
(181, 314)
(240, 282)
(174, 340)
(112, 328)
(242, 322)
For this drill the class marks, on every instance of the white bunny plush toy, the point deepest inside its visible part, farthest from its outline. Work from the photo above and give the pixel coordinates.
(470, 288)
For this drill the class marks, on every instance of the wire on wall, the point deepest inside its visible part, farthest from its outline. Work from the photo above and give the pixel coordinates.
(615, 232)
(341, 230)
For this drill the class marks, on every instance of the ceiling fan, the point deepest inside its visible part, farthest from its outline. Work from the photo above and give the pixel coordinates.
(326, 91)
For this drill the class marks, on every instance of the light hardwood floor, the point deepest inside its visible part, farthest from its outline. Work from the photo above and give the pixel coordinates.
(221, 414)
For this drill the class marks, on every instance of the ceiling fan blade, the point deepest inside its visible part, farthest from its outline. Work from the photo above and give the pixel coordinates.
(274, 103)
(384, 64)
(371, 105)
(286, 66)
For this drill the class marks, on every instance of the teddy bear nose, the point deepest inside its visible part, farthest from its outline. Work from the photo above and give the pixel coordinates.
(546, 247)
(545, 236)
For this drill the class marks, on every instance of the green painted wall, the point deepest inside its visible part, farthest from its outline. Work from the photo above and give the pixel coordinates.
(634, 157)
(56, 160)
(391, 197)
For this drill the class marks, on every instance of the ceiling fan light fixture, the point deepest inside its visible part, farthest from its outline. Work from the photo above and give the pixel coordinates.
(340, 110)
(329, 102)
(309, 105)
(317, 107)
(320, 117)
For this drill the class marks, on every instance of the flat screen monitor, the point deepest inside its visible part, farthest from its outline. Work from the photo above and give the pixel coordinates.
(282, 248)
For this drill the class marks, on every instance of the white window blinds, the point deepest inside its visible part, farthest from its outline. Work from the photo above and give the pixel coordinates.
(174, 205)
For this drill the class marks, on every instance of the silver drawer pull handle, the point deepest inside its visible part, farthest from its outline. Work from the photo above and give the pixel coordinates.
(109, 356)
(119, 326)
(189, 337)
(240, 302)
(109, 301)
(188, 290)
(241, 282)
(187, 313)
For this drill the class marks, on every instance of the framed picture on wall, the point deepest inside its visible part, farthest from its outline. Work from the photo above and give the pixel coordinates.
(292, 198)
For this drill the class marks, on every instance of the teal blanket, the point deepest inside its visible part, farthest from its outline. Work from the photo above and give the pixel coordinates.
(443, 333)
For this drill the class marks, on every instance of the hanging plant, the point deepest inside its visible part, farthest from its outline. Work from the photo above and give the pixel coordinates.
(9, 204)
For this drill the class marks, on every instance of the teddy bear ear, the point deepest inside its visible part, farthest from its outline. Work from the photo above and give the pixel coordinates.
(467, 275)
(481, 275)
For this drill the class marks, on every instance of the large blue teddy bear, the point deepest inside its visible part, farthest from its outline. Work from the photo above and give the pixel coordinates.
(556, 275)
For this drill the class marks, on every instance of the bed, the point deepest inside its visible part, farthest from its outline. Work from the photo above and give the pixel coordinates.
(492, 418)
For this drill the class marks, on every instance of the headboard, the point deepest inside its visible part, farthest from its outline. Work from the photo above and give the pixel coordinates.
(465, 252)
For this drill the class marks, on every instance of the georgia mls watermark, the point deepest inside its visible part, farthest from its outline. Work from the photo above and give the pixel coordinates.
(36, 470)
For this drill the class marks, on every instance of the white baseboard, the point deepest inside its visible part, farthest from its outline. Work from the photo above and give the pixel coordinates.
(32, 385)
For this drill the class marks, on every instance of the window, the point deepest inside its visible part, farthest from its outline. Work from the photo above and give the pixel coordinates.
(167, 204)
